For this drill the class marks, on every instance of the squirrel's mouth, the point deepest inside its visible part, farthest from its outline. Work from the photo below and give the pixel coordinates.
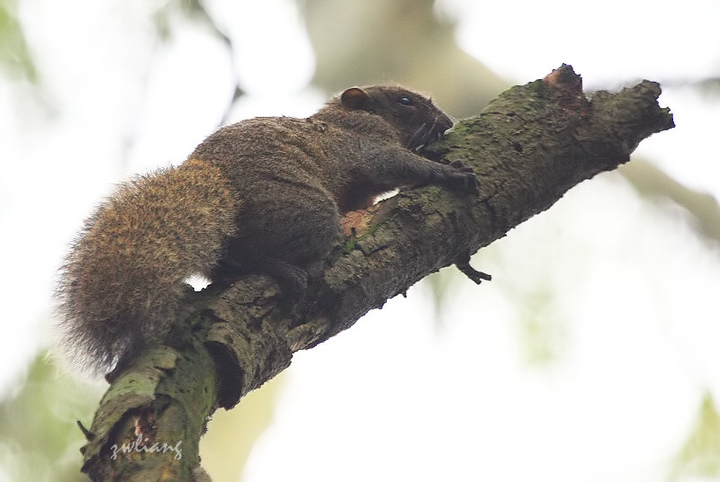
(428, 133)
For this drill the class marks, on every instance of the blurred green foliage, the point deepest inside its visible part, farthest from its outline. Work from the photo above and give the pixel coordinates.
(39, 436)
(700, 456)
(15, 56)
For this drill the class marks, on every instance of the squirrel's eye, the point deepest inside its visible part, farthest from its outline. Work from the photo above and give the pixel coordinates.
(405, 100)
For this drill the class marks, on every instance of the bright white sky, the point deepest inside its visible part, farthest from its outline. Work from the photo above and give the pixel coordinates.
(458, 404)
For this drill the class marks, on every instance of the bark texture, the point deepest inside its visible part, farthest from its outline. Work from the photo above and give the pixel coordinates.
(527, 147)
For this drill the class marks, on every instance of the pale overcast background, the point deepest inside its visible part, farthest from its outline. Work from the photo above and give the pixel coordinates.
(624, 292)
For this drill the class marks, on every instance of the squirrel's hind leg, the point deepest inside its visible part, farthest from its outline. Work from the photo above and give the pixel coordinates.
(285, 236)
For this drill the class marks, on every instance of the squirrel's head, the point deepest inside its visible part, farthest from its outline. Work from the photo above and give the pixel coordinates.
(415, 117)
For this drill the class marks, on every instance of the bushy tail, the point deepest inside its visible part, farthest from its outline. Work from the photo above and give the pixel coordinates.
(122, 283)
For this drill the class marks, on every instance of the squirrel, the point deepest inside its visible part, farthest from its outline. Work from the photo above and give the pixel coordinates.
(264, 195)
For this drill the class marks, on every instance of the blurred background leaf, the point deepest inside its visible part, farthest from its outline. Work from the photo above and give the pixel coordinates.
(15, 56)
(699, 458)
(39, 437)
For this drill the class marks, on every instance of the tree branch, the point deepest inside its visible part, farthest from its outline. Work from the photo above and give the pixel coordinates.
(528, 147)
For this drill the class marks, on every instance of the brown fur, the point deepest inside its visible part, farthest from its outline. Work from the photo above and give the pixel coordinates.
(263, 195)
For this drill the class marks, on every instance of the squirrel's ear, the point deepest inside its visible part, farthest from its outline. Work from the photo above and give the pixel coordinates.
(354, 98)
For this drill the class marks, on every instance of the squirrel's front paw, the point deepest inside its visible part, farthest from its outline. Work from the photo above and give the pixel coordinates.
(463, 178)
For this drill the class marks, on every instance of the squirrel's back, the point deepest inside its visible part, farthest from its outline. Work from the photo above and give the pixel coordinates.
(261, 196)
(122, 281)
